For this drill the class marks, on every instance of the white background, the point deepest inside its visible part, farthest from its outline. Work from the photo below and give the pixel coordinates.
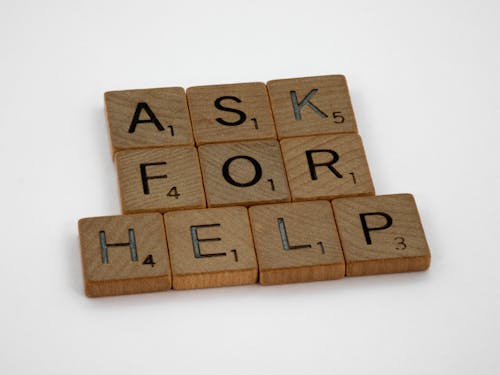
(425, 83)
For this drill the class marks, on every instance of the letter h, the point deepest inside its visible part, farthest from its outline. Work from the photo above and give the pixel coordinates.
(131, 244)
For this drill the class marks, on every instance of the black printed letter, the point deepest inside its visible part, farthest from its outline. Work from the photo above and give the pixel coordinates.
(152, 118)
(366, 229)
(313, 165)
(218, 105)
(253, 181)
(145, 177)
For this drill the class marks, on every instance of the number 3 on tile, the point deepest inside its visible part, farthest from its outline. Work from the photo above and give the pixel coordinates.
(401, 244)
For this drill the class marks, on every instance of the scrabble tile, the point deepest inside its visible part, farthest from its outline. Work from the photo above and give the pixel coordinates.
(211, 248)
(296, 242)
(311, 105)
(236, 112)
(243, 173)
(124, 254)
(381, 234)
(148, 118)
(326, 167)
(159, 180)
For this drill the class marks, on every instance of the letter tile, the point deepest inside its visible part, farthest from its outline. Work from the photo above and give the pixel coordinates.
(160, 179)
(211, 247)
(124, 254)
(243, 173)
(381, 234)
(296, 242)
(148, 118)
(326, 167)
(311, 106)
(235, 112)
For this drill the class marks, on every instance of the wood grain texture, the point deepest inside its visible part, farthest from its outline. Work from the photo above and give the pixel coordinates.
(244, 160)
(326, 167)
(118, 272)
(224, 254)
(296, 242)
(311, 105)
(244, 112)
(173, 179)
(401, 247)
(167, 105)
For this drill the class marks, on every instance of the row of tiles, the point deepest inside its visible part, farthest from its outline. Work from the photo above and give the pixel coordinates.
(284, 108)
(270, 244)
(243, 173)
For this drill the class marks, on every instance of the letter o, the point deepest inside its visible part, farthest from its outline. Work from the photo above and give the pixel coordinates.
(253, 181)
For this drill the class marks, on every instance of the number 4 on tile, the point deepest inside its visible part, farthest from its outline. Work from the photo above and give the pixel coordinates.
(149, 261)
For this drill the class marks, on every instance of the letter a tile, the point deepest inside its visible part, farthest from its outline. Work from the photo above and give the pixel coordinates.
(124, 254)
(296, 242)
(211, 247)
(160, 179)
(326, 167)
(311, 105)
(381, 234)
(148, 118)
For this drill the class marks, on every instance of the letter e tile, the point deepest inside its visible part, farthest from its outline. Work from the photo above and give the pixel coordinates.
(211, 248)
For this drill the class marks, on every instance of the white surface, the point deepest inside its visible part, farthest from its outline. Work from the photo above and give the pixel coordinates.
(424, 78)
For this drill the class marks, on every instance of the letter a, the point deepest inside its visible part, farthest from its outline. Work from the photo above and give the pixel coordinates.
(152, 118)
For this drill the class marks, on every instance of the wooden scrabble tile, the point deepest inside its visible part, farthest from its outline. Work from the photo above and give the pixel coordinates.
(236, 112)
(243, 173)
(148, 118)
(159, 180)
(296, 242)
(311, 105)
(211, 247)
(124, 254)
(326, 167)
(381, 234)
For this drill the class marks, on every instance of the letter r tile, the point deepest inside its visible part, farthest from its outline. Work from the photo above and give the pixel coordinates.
(326, 167)
(160, 179)
(296, 242)
(211, 247)
(311, 105)
(381, 234)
